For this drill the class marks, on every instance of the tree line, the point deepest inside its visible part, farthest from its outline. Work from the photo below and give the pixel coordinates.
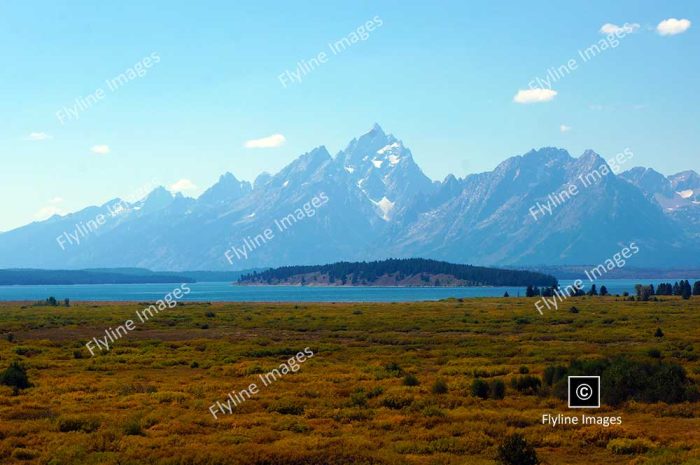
(680, 288)
(367, 272)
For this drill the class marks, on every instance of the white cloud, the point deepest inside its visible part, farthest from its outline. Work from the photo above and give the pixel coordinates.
(50, 210)
(274, 140)
(564, 128)
(47, 212)
(38, 136)
(610, 28)
(182, 185)
(672, 26)
(534, 95)
(100, 149)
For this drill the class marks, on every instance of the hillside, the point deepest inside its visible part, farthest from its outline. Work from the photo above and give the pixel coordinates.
(396, 272)
(28, 276)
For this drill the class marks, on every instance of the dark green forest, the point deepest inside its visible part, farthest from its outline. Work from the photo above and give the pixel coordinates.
(362, 273)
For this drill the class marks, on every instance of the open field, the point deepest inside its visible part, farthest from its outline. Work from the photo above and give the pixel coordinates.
(146, 401)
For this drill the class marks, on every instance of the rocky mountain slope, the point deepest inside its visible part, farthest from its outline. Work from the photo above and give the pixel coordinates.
(379, 204)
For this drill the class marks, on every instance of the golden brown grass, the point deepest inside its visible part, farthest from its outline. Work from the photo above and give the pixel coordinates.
(143, 402)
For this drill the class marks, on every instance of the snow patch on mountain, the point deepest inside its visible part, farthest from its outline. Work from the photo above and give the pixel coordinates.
(385, 206)
(395, 145)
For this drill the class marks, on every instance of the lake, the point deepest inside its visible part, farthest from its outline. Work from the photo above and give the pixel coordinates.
(226, 292)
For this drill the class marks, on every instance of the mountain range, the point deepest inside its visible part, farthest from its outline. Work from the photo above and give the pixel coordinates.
(380, 205)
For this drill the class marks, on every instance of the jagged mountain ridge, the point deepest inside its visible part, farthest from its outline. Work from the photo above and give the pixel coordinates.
(678, 195)
(380, 205)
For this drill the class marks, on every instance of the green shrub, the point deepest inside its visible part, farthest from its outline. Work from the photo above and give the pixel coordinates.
(527, 384)
(480, 388)
(440, 386)
(397, 402)
(624, 379)
(516, 451)
(553, 374)
(167, 397)
(622, 446)
(132, 427)
(394, 369)
(628, 379)
(26, 351)
(410, 380)
(24, 454)
(497, 389)
(78, 423)
(15, 376)
(358, 398)
(433, 411)
(286, 408)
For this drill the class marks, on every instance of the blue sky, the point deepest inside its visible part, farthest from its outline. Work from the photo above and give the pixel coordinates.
(441, 77)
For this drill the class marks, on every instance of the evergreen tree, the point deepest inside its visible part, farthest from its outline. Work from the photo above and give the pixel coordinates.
(668, 289)
(506, 293)
(603, 290)
(676, 289)
(529, 292)
(696, 288)
(593, 290)
(686, 291)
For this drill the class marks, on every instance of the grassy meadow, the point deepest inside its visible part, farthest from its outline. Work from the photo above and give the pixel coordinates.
(388, 383)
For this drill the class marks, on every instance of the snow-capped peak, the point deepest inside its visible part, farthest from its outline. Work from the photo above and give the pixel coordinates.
(395, 145)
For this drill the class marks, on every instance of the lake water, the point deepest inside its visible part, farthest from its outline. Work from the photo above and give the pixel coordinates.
(226, 292)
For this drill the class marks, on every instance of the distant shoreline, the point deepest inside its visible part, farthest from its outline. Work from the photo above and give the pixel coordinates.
(404, 286)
